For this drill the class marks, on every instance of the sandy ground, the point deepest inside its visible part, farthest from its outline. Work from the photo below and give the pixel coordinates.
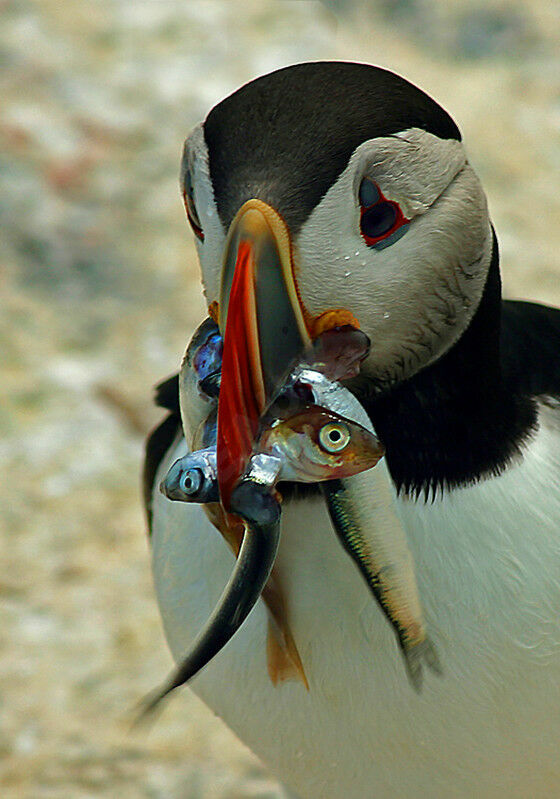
(100, 291)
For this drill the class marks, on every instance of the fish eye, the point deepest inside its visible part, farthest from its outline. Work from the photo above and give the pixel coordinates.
(191, 481)
(334, 436)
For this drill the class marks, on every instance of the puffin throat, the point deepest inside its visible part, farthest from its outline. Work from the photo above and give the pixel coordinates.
(464, 417)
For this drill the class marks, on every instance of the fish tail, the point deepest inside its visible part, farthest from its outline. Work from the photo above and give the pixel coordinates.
(284, 662)
(418, 655)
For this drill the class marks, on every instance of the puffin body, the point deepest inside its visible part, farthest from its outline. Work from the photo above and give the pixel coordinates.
(386, 223)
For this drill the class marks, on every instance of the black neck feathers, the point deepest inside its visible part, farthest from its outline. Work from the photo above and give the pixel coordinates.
(461, 418)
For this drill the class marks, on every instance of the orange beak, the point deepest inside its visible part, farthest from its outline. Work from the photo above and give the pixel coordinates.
(263, 324)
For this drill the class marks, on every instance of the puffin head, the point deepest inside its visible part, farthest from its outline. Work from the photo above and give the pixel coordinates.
(327, 194)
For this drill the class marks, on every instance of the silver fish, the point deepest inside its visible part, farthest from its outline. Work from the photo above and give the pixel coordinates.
(362, 513)
(252, 502)
(199, 379)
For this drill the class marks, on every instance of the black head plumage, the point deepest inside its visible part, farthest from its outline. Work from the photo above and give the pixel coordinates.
(287, 136)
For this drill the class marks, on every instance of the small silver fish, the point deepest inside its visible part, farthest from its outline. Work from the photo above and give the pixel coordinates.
(362, 512)
(194, 478)
(254, 541)
(199, 379)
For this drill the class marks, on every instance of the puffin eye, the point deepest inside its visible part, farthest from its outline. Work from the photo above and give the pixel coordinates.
(381, 220)
(378, 221)
(192, 216)
(334, 436)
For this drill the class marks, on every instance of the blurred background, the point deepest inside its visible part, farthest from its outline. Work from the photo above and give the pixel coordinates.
(99, 292)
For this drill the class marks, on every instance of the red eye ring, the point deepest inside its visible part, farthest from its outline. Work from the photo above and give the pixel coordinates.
(381, 219)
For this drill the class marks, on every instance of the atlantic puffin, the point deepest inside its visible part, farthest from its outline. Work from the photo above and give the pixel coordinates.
(361, 184)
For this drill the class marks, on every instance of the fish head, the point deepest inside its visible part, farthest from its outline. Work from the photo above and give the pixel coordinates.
(192, 478)
(317, 444)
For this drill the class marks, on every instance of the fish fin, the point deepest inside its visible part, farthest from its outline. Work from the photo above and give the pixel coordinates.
(283, 660)
(417, 655)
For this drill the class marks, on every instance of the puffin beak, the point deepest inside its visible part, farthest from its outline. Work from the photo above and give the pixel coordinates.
(266, 331)
(263, 325)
